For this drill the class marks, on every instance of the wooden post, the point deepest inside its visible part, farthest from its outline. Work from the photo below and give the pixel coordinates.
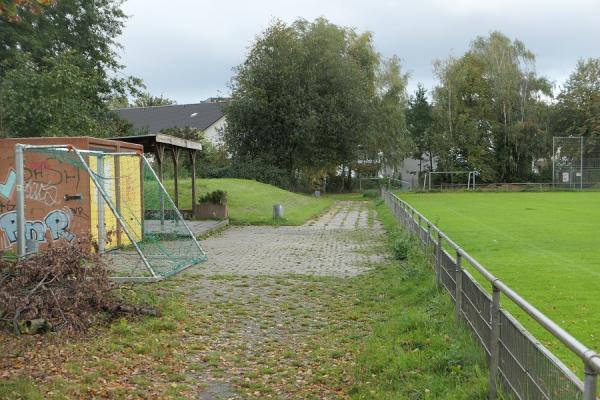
(192, 153)
(160, 156)
(175, 154)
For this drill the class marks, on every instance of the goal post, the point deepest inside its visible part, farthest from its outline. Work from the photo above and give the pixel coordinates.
(470, 178)
(114, 198)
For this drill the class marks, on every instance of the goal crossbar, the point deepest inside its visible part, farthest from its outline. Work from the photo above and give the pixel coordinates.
(470, 178)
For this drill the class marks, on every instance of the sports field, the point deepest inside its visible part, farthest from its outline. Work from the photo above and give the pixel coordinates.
(544, 245)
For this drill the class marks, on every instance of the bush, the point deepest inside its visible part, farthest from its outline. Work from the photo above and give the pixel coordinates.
(400, 247)
(216, 197)
(371, 194)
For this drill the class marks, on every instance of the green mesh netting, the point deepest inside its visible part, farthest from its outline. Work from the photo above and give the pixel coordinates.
(118, 201)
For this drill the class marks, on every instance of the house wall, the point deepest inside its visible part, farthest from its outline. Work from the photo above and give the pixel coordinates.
(408, 171)
(213, 132)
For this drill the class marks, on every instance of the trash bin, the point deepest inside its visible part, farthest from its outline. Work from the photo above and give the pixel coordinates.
(277, 211)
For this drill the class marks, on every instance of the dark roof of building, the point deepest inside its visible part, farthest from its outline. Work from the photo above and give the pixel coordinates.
(154, 119)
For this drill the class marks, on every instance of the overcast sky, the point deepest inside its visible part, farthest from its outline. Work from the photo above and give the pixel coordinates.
(186, 50)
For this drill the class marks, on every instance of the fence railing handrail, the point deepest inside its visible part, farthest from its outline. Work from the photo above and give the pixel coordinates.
(587, 355)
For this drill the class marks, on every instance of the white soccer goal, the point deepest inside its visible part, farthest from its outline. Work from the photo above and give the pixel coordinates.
(470, 177)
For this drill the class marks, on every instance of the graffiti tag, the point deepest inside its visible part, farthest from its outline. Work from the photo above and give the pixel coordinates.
(56, 223)
(9, 184)
(54, 173)
(42, 192)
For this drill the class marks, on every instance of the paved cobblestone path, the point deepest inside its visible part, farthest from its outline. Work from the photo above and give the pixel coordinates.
(328, 246)
(272, 300)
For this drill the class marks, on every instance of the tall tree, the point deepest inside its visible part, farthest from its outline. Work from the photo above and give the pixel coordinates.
(490, 109)
(388, 142)
(74, 36)
(419, 119)
(306, 98)
(11, 9)
(577, 111)
(146, 99)
(55, 99)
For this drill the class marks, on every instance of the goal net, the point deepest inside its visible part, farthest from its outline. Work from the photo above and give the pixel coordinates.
(113, 198)
(450, 180)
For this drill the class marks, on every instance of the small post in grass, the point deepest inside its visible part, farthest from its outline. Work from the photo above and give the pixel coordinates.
(277, 211)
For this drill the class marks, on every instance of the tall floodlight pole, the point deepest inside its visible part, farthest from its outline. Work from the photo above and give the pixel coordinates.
(553, 161)
(581, 165)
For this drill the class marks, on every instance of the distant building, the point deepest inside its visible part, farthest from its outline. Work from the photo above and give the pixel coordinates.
(207, 117)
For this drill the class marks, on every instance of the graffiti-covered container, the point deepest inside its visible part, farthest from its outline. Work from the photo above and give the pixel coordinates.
(60, 198)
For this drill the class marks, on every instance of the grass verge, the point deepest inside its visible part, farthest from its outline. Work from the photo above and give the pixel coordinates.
(249, 202)
(416, 350)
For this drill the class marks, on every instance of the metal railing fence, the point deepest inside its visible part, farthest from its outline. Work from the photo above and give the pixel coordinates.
(518, 363)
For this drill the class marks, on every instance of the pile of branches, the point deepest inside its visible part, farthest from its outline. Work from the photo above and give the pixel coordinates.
(63, 288)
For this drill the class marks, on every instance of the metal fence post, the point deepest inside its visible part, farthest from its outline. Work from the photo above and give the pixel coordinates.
(438, 260)
(428, 233)
(458, 292)
(20, 206)
(590, 383)
(494, 342)
(100, 202)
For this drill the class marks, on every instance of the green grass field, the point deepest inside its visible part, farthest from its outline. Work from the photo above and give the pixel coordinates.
(251, 202)
(544, 245)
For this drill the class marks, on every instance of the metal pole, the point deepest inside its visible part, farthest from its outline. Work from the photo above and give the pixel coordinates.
(590, 383)
(100, 202)
(20, 206)
(553, 161)
(581, 166)
(173, 204)
(438, 261)
(494, 342)
(458, 292)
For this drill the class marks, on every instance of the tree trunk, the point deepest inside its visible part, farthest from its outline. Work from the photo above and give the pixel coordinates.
(430, 161)
(349, 181)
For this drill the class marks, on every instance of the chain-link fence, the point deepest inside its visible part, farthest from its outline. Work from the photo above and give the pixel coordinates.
(519, 364)
(575, 162)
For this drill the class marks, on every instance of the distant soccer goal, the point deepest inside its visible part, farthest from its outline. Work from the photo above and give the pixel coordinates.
(113, 197)
(427, 180)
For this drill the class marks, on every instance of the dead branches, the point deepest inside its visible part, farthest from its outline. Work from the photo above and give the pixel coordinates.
(65, 288)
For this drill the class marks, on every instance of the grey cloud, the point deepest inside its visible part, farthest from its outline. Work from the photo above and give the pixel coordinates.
(187, 51)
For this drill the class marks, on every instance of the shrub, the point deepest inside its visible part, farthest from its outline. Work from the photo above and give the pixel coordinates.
(400, 247)
(215, 197)
(371, 194)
